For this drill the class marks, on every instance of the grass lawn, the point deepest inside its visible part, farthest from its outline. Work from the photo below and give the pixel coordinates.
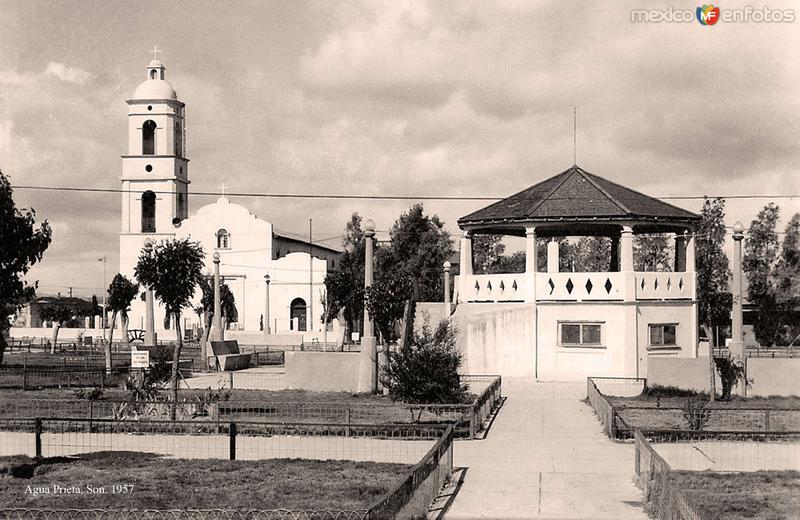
(766, 495)
(194, 484)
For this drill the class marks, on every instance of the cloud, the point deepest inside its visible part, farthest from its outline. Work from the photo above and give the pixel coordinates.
(68, 74)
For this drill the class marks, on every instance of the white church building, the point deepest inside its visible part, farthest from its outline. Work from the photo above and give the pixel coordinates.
(155, 206)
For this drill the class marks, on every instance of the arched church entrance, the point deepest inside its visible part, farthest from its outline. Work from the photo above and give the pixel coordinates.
(298, 310)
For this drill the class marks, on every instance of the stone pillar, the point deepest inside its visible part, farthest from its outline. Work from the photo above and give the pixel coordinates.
(690, 252)
(613, 265)
(626, 249)
(531, 261)
(680, 253)
(368, 368)
(465, 254)
(447, 289)
(149, 312)
(737, 348)
(219, 332)
(266, 306)
(552, 257)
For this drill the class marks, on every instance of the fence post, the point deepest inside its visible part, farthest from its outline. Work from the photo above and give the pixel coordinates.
(472, 424)
(230, 374)
(766, 419)
(102, 379)
(347, 421)
(232, 431)
(38, 433)
(25, 373)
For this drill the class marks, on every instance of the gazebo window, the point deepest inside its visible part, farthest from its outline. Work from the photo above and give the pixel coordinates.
(580, 334)
(663, 335)
(223, 239)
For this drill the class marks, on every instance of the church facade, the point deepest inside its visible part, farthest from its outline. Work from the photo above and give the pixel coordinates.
(277, 280)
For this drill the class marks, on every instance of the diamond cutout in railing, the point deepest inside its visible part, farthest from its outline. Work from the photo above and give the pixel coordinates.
(608, 285)
(514, 285)
(642, 284)
(680, 284)
(655, 284)
(477, 286)
(489, 285)
(669, 284)
(502, 285)
(552, 285)
(570, 285)
(589, 286)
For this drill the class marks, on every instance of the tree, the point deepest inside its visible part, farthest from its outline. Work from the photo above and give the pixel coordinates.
(345, 287)
(386, 300)
(787, 274)
(426, 370)
(487, 250)
(760, 259)
(419, 246)
(121, 293)
(57, 314)
(589, 254)
(206, 308)
(651, 250)
(173, 268)
(21, 246)
(713, 298)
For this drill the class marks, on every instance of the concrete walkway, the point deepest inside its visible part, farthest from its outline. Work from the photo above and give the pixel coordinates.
(545, 457)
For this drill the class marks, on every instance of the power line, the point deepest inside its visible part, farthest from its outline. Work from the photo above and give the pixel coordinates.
(344, 196)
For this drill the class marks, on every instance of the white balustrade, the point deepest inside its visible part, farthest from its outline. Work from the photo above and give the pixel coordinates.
(664, 286)
(511, 287)
(602, 286)
(579, 286)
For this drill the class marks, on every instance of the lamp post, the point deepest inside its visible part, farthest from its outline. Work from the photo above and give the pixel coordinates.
(105, 291)
(219, 335)
(737, 333)
(266, 306)
(447, 267)
(149, 313)
(369, 353)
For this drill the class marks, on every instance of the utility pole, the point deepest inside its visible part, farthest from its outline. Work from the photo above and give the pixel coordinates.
(105, 291)
(310, 325)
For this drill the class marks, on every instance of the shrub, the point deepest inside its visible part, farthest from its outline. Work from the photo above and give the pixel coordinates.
(669, 391)
(696, 413)
(92, 394)
(730, 372)
(426, 370)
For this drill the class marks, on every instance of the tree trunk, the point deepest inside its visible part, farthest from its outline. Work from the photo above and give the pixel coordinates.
(55, 337)
(176, 357)
(123, 318)
(204, 338)
(3, 346)
(712, 384)
(107, 347)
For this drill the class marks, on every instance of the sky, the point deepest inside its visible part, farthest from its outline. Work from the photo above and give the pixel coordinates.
(467, 98)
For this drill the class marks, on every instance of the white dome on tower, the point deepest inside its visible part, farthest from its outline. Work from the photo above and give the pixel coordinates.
(155, 86)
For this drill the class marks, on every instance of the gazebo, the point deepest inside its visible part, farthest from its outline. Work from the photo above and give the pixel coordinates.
(568, 325)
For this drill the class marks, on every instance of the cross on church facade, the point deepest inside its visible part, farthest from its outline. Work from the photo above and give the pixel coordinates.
(155, 52)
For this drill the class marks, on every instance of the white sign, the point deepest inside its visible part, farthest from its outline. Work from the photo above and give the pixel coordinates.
(354, 336)
(140, 359)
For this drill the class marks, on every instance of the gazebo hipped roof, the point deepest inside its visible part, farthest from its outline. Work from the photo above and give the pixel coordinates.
(576, 195)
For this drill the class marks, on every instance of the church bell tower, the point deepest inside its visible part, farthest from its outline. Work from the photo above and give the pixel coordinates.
(155, 170)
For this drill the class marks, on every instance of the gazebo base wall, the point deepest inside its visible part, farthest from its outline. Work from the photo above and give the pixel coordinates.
(526, 339)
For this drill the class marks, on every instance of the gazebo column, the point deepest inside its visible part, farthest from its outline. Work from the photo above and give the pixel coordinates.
(680, 253)
(552, 256)
(465, 263)
(626, 249)
(691, 273)
(613, 264)
(634, 359)
(531, 261)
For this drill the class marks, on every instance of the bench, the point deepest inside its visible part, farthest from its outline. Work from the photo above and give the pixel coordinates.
(227, 356)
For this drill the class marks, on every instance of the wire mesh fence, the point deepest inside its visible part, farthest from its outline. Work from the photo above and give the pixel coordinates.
(429, 449)
(28, 378)
(468, 419)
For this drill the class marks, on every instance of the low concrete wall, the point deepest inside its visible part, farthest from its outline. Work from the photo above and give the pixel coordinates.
(778, 376)
(323, 371)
